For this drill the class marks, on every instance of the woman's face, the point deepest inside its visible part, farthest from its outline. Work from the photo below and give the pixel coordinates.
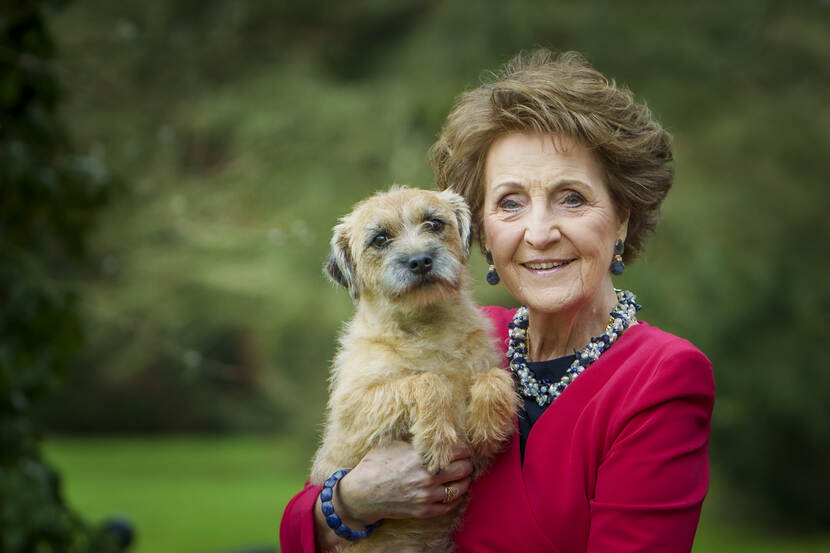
(549, 221)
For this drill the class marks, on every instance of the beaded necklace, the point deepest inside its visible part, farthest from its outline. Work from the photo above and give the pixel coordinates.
(545, 391)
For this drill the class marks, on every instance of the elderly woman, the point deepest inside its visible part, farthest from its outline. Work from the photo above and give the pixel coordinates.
(565, 174)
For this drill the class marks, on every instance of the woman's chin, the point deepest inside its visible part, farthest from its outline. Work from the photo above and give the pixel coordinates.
(557, 298)
(551, 304)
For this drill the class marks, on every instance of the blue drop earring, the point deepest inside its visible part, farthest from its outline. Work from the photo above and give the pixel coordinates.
(617, 266)
(492, 275)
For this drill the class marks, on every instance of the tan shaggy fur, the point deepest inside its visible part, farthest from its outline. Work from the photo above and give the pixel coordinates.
(416, 362)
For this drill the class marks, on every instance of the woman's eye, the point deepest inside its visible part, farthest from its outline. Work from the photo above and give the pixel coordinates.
(509, 204)
(574, 199)
(380, 240)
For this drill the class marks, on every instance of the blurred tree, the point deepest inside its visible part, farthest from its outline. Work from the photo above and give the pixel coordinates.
(248, 127)
(48, 201)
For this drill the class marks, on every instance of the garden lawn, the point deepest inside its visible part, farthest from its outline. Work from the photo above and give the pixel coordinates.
(183, 494)
(211, 494)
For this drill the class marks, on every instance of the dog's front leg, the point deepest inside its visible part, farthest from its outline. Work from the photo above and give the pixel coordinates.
(374, 414)
(361, 416)
(493, 404)
(435, 415)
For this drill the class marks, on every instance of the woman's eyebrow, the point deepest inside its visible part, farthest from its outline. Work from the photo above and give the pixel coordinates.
(569, 181)
(508, 184)
(556, 184)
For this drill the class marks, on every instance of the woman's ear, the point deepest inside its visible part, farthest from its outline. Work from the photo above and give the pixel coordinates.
(463, 219)
(622, 229)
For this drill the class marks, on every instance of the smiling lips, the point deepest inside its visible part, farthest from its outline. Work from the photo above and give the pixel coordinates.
(541, 265)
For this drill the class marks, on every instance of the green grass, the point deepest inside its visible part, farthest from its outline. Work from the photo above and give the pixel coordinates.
(184, 494)
(205, 494)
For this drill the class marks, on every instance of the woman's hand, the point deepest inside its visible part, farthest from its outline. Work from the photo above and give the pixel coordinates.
(392, 482)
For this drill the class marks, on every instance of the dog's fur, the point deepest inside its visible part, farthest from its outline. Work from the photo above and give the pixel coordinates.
(416, 362)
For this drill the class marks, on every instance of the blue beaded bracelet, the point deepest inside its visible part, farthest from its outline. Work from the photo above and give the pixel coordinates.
(332, 519)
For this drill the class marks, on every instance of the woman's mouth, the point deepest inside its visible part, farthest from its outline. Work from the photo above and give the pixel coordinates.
(544, 265)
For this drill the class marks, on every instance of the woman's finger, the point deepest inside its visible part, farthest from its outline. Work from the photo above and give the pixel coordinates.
(451, 492)
(456, 470)
(461, 451)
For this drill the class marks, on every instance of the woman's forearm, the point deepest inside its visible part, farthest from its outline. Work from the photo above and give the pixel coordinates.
(325, 538)
(389, 482)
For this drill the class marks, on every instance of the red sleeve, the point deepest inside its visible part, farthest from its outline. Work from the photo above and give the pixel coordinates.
(653, 478)
(297, 526)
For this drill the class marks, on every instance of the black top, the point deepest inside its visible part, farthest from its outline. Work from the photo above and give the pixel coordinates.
(553, 370)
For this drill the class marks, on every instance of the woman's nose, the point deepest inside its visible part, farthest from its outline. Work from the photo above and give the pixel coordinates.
(541, 229)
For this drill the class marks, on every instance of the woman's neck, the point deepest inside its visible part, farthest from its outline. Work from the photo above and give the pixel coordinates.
(553, 335)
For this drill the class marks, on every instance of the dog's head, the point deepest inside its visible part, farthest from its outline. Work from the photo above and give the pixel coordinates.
(404, 244)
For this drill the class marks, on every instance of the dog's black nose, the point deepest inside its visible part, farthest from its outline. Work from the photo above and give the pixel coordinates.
(420, 264)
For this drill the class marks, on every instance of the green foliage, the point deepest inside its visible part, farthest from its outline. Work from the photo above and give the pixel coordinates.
(49, 198)
(246, 129)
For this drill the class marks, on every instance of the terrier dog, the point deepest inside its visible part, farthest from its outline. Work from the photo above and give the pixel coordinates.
(416, 362)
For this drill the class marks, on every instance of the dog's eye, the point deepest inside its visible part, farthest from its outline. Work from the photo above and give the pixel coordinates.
(380, 240)
(435, 225)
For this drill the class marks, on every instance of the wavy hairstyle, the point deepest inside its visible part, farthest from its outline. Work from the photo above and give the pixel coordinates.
(562, 94)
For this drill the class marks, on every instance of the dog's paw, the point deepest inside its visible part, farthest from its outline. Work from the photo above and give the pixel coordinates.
(486, 443)
(437, 459)
(437, 454)
(430, 464)
(493, 405)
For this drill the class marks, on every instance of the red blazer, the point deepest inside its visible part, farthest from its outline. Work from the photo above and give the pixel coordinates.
(618, 463)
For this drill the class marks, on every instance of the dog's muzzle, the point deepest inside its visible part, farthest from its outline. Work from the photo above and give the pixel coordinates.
(420, 264)
(416, 270)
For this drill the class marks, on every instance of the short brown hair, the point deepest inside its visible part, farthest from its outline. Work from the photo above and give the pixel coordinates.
(562, 94)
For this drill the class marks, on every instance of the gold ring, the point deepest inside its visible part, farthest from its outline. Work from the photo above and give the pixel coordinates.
(450, 493)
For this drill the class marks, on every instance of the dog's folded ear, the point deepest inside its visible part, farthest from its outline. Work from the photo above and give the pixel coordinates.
(339, 267)
(334, 272)
(463, 219)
